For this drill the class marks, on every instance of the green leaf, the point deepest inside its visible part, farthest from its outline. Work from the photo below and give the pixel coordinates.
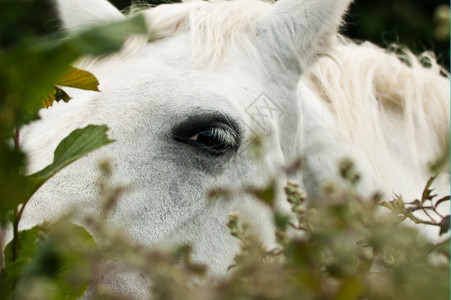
(79, 143)
(79, 79)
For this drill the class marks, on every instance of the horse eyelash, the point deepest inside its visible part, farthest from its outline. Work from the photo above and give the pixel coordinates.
(225, 136)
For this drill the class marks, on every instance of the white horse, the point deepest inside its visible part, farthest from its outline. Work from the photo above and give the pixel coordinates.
(185, 108)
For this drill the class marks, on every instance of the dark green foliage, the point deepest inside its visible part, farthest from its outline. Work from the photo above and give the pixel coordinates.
(22, 19)
(48, 263)
(32, 61)
(412, 23)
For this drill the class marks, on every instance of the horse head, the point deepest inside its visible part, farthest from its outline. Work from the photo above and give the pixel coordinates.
(187, 109)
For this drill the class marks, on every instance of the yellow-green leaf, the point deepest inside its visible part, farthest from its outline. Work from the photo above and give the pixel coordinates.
(55, 94)
(79, 79)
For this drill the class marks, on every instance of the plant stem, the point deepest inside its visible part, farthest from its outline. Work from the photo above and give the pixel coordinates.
(17, 213)
(17, 216)
(17, 139)
(15, 235)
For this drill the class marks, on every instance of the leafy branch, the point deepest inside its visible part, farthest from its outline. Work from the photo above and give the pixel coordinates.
(427, 204)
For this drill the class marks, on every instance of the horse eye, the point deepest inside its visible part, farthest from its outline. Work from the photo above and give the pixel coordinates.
(215, 140)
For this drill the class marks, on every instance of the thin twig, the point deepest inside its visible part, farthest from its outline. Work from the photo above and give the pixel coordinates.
(427, 214)
(419, 221)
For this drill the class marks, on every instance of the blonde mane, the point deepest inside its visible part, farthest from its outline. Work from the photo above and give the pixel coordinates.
(374, 93)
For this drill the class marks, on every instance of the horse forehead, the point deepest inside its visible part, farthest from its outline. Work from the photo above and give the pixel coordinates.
(172, 87)
(154, 81)
(169, 63)
(160, 81)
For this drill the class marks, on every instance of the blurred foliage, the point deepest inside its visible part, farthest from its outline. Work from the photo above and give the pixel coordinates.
(33, 60)
(342, 248)
(22, 19)
(49, 265)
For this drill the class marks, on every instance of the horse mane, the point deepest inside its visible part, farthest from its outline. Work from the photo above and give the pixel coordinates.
(373, 91)
(369, 89)
(214, 26)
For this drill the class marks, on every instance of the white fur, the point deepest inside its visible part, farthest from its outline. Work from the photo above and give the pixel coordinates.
(391, 95)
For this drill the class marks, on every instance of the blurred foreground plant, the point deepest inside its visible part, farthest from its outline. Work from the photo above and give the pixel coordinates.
(346, 247)
(341, 246)
(33, 67)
